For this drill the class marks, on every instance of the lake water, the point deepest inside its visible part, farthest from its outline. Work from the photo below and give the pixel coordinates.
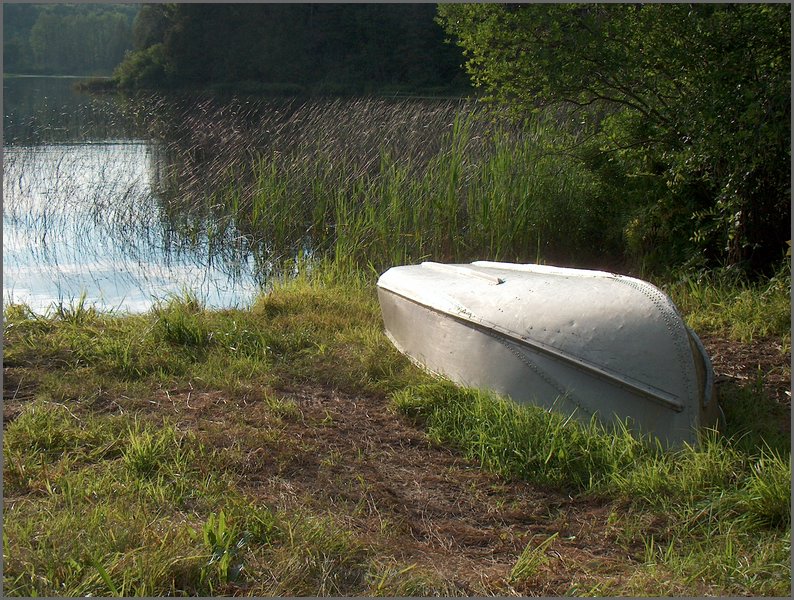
(85, 213)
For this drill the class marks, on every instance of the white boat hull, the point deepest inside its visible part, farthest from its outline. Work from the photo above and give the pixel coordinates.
(582, 343)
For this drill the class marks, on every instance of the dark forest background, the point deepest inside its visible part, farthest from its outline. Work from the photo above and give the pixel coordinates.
(331, 48)
(270, 48)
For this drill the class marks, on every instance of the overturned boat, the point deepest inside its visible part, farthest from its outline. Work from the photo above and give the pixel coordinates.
(579, 342)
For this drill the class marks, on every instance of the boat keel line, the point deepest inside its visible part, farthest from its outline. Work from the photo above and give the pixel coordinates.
(483, 325)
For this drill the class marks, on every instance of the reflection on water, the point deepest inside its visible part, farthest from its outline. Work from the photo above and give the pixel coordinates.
(83, 218)
(47, 109)
(86, 217)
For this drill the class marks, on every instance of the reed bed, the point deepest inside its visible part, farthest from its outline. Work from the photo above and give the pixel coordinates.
(476, 194)
(367, 182)
(374, 182)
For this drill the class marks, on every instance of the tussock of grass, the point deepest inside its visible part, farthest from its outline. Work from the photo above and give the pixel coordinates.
(149, 451)
(682, 477)
(518, 441)
(391, 579)
(283, 409)
(724, 563)
(767, 492)
(531, 559)
(76, 312)
(179, 322)
(724, 301)
(318, 558)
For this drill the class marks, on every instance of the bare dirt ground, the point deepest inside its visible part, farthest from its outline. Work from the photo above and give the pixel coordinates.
(420, 503)
(745, 363)
(417, 502)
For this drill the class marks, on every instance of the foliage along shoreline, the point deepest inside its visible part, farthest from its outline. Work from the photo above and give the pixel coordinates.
(687, 105)
(691, 164)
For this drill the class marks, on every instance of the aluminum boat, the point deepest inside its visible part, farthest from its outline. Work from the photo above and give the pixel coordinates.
(576, 341)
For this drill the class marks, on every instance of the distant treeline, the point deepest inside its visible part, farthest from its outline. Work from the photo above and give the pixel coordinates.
(66, 39)
(293, 48)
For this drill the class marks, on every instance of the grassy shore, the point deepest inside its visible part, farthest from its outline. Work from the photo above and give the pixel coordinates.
(288, 449)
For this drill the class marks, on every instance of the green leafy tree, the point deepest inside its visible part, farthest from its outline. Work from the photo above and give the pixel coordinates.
(150, 25)
(691, 99)
(71, 39)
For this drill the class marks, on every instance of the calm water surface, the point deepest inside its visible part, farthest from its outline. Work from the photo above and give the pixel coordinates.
(84, 211)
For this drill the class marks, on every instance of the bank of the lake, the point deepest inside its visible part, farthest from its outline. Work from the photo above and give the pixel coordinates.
(288, 449)
(131, 198)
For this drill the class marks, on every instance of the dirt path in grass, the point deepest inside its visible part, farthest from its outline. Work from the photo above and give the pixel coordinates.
(417, 502)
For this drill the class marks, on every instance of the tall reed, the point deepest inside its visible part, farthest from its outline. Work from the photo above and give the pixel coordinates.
(375, 182)
(364, 182)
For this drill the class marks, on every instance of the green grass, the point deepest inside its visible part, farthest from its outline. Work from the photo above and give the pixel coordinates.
(726, 301)
(520, 442)
(150, 511)
(120, 502)
(531, 559)
(106, 496)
